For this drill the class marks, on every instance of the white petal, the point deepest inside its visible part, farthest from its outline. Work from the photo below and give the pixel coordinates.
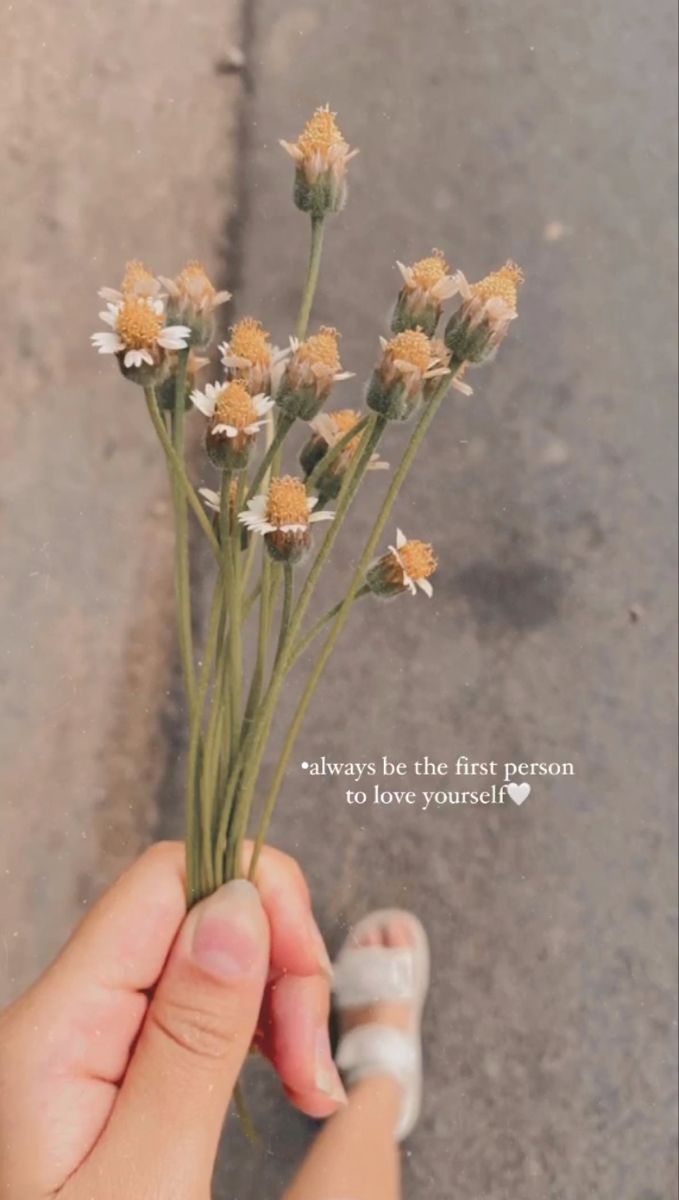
(203, 403)
(174, 337)
(426, 587)
(211, 498)
(405, 271)
(107, 343)
(262, 404)
(312, 501)
(292, 150)
(255, 524)
(179, 331)
(463, 285)
(135, 358)
(464, 388)
(229, 430)
(322, 516)
(110, 294)
(401, 538)
(108, 317)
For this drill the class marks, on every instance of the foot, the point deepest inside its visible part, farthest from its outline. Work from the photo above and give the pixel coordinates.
(381, 984)
(396, 933)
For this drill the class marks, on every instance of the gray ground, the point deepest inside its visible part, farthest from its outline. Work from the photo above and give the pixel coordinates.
(538, 131)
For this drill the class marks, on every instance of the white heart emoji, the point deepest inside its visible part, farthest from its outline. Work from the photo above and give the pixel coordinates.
(518, 792)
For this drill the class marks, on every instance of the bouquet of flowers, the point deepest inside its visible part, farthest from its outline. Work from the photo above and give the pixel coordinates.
(259, 522)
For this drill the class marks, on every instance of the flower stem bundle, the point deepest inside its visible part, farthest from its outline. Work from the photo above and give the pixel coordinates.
(272, 530)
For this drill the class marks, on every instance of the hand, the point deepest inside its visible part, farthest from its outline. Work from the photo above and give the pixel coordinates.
(117, 1067)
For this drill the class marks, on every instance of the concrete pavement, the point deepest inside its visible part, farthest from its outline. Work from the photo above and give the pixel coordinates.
(120, 136)
(540, 132)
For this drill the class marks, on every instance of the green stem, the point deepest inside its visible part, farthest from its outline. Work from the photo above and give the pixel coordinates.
(176, 468)
(253, 749)
(257, 682)
(378, 529)
(193, 838)
(334, 452)
(286, 610)
(313, 270)
(233, 568)
(181, 556)
(302, 645)
(283, 426)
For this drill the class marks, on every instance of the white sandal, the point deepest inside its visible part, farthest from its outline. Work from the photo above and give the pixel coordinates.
(366, 975)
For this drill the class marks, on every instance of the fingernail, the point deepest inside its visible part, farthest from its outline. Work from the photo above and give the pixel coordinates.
(227, 939)
(326, 1075)
(320, 950)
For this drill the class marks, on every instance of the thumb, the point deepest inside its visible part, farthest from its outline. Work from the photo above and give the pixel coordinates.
(167, 1120)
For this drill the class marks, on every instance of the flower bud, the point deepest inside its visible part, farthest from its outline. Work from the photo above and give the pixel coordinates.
(311, 371)
(425, 287)
(283, 517)
(405, 568)
(321, 155)
(327, 430)
(249, 356)
(192, 299)
(475, 331)
(408, 362)
(166, 392)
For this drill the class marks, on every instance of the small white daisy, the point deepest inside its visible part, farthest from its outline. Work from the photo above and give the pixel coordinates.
(429, 280)
(231, 410)
(192, 292)
(331, 427)
(249, 355)
(286, 508)
(137, 281)
(417, 562)
(138, 331)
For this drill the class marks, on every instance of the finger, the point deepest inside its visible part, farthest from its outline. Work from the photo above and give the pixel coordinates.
(124, 940)
(198, 1028)
(297, 946)
(295, 1037)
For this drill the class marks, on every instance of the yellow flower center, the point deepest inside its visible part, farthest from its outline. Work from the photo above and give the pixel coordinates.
(412, 346)
(321, 349)
(138, 324)
(430, 271)
(418, 560)
(234, 407)
(136, 274)
(193, 280)
(250, 340)
(344, 419)
(287, 502)
(320, 135)
(502, 285)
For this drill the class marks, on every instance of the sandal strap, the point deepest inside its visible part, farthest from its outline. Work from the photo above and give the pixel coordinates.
(371, 1050)
(374, 974)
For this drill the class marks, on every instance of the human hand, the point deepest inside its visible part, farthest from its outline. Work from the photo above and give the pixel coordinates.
(117, 1066)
